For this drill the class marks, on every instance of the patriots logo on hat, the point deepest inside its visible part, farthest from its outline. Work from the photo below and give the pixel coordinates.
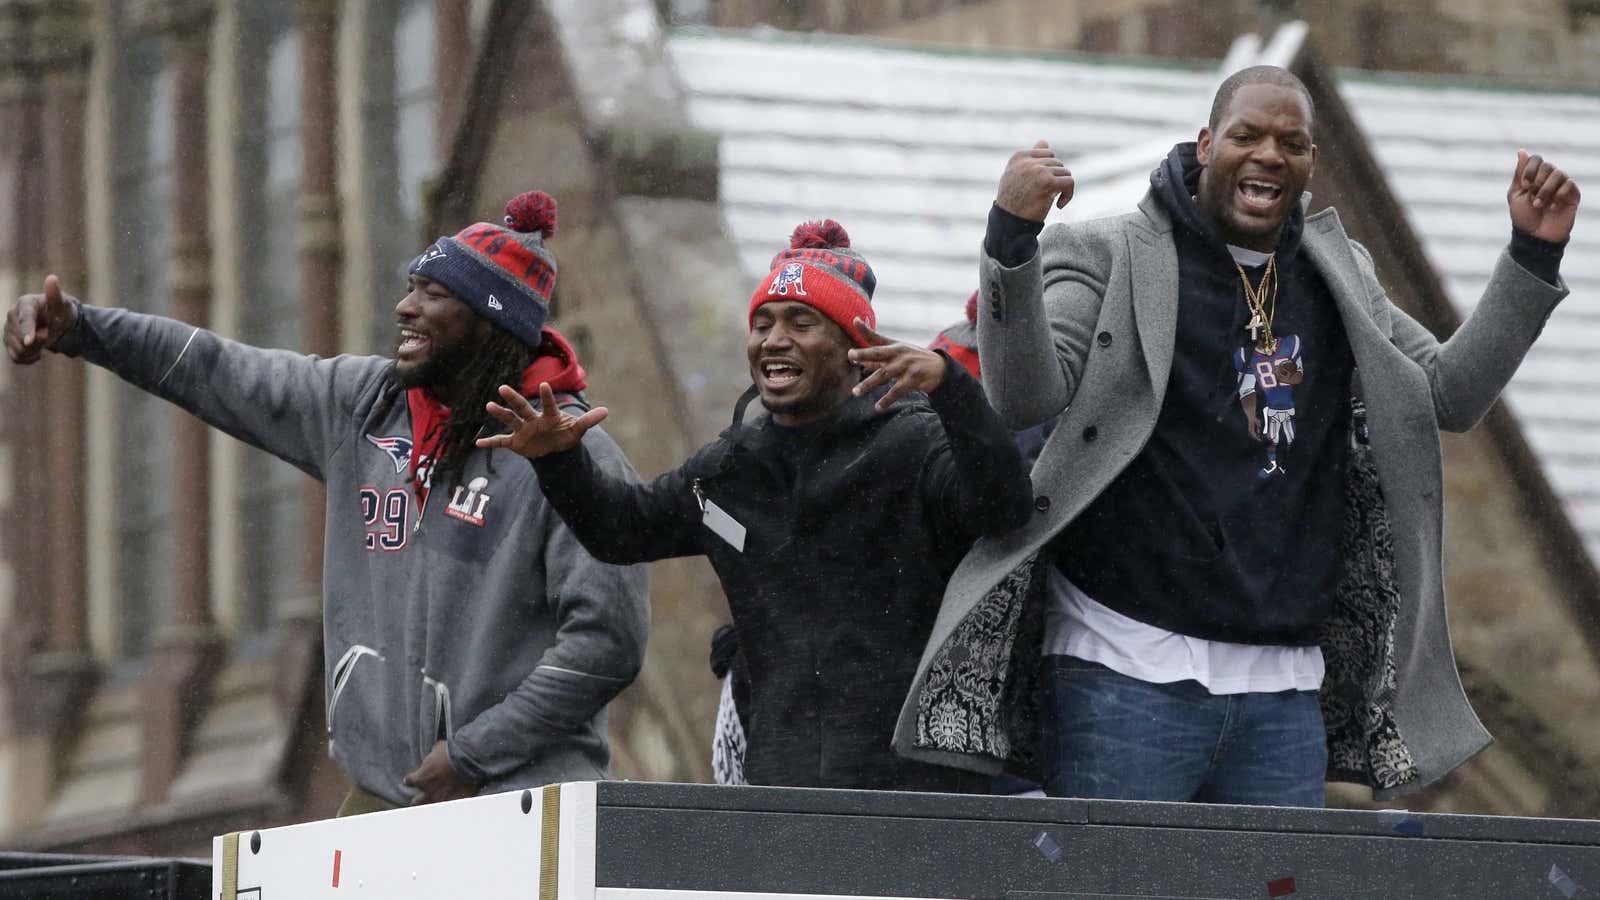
(434, 252)
(789, 277)
(494, 303)
(398, 448)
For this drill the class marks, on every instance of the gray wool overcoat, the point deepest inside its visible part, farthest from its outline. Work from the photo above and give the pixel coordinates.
(1085, 329)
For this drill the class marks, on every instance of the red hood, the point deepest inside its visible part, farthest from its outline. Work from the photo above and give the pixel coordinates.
(555, 362)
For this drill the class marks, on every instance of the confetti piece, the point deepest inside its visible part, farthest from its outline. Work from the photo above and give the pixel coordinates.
(1562, 881)
(337, 856)
(1400, 822)
(1047, 846)
(1283, 887)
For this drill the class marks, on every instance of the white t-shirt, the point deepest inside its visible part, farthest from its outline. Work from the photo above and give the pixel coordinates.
(1076, 625)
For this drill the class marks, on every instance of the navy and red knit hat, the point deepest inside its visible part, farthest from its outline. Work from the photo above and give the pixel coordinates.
(961, 339)
(504, 272)
(820, 270)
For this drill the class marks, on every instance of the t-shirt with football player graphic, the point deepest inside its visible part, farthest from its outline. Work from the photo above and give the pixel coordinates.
(1205, 532)
(1269, 374)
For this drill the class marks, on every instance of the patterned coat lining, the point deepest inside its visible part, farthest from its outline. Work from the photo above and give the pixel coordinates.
(978, 696)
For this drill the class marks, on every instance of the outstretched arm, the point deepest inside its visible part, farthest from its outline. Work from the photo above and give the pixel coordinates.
(293, 406)
(1468, 371)
(36, 321)
(617, 521)
(974, 479)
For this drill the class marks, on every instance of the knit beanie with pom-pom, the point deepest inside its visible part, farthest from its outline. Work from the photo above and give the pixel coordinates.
(961, 339)
(820, 270)
(504, 272)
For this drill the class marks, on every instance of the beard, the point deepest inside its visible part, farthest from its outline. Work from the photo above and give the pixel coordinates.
(443, 363)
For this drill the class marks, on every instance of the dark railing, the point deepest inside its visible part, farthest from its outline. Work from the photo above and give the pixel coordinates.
(52, 876)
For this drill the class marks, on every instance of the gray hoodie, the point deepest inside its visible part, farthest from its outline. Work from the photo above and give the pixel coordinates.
(475, 617)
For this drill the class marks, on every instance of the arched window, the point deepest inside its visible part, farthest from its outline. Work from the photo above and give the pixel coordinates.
(269, 153)
(142, 100)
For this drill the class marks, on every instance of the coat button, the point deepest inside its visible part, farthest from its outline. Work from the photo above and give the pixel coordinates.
(1103, 338)
(1041, 503)
(1091, 433)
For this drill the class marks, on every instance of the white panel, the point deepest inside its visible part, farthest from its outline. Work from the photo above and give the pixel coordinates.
(484, 847)
(578, 814)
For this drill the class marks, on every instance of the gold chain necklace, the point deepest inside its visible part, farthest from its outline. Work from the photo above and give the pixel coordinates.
(1255, 297)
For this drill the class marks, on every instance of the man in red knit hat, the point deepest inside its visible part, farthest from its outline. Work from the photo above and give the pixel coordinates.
(834, 520)
(471, 644)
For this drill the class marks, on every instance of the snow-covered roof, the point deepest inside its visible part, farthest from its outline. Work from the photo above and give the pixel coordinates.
(1448, 150)
(904, 145)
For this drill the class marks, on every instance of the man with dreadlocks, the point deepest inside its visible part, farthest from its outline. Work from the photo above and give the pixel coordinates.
(471, 643)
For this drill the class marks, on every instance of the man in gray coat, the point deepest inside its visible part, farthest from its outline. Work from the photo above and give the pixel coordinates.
(471, 643)
(1237, 527)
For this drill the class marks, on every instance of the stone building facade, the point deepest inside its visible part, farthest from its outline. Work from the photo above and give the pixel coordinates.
(266, 168)
(1540, 41)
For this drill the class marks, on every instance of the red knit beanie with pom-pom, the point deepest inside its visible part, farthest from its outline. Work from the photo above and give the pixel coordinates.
(504, 272)
(820, 270)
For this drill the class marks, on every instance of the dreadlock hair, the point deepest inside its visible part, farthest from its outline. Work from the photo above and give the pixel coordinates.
(498, 360)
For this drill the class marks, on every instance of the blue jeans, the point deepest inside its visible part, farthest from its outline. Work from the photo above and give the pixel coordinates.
(1108, 736)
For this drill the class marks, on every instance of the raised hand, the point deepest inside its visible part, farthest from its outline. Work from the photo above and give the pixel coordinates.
(1543, 200)
(36, 321)
(1033, 179)
(535, 433)
(905, 366)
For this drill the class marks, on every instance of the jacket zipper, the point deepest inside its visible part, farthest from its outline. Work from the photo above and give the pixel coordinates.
(422, 508)
(441, 709)
(342, 671)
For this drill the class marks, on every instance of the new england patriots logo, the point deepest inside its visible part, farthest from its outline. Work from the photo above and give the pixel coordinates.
(398, 448)
(434, 252)
(789, 277)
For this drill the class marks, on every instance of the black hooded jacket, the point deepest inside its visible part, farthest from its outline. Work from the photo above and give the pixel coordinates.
(853, 526)
(1206, 533)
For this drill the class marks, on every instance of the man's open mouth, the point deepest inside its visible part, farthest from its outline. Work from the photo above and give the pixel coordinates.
(411, 341)
(1259, 195)
(780, 374)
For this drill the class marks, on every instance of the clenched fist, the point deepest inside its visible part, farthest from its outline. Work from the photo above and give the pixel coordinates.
(1543, 200)
(36, 321)
(1034, 179)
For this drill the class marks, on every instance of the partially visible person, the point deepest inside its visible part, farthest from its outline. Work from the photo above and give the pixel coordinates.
(960, 340)
(833, 520)
(733, 705)
(471, 643)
